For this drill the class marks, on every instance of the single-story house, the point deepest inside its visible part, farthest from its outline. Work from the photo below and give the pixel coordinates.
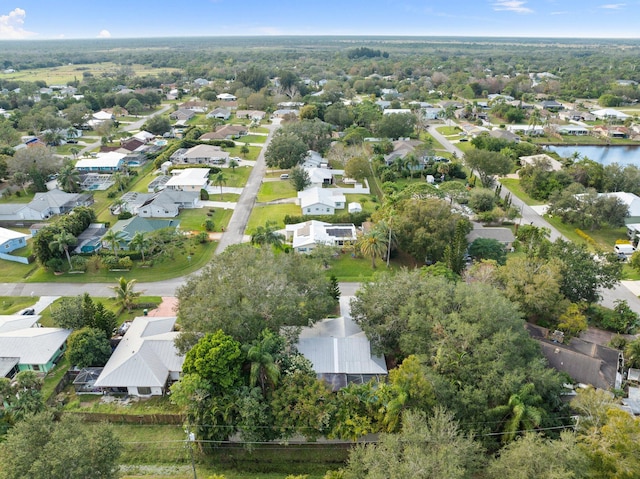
(137, 224)
(226, 97)
(630, 199)
(396, 111)
(194, 105)
(158, 183)
(282, 112)
(472, 130)
(504, 135)
(200, 82)
(182, 115)
(11, 240)
(225, 132)
(575, 130)
(168, 203)
(402, 148)
(219, 113)
(320, 201)
(144, 136)
(146, 360)
(29, 348)
(609, 114)
(587, 363)
(103, 162)
(320, 176)
(503, 235)
(314, 160)
(340, 352)
(305, 236)
(575, 115)
(529, 130)
(554, 165)
(433, 113)
(190, 179)
(44, 206)
(611, 131)
(551, 105)
(200, 155)
(254, 115)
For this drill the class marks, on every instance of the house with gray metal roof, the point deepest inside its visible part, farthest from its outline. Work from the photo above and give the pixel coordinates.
(340, 351)
(146, 361)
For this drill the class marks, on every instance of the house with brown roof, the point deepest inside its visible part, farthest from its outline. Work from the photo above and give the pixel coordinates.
(225, 132)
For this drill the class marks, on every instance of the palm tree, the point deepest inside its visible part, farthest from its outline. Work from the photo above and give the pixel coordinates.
(520, 413)
(220, 179)
(233, 164)
(443, 169)
(62, 241)
(534, 120)
(264, 370)
(244, 150)
(114, 239)
(125, 295)
(120, 180)
(69, 179)
(139, 243)
(373, 243)
(74, 150)
(267, 235)
(632, 353)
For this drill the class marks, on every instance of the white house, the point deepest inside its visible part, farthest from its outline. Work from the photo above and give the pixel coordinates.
(553, 164)
(168, 203)
(44, 205)
(320, 176)
(226, 97)
(146, 361)
(103, 162)
(609, 113)
(321, 201)
(304, 237)
(630, 199)
(191, 179)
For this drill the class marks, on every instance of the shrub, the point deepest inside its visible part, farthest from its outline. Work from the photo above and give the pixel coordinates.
(125, 215)
(93, 263)
(55, 264)
(208, 225)
(78, 263)
(202, 237)
(125, 263)
(204, 194)
(110, 261)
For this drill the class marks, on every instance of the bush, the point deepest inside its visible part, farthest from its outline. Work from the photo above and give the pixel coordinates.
(355, 218)
(55, 264)
(482, 200)
(125, 215)
(204, 194)
(208, 225)
(78, 263)
(125, 263)
(110, 262)
(93, 263)
(202, 237)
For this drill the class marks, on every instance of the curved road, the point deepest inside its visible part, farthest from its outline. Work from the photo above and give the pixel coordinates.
(529, 216)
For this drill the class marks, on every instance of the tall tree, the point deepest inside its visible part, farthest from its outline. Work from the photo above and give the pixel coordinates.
(374, 244)
(67, 449)
(520, 413)
(487, 164)
(299, 178)
(264, 371)
(88, 347)
(114, 239)
(220, 179)
(455, 251)
(139, 243)
(268, 235)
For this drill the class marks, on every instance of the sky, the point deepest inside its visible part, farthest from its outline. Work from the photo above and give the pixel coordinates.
(46, 19)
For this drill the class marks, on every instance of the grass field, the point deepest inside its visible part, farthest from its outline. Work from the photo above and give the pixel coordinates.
(192, 219)
(66, 73)
(254, 151)
(448, 130)
(13, 304)
(251, 139)
(275, 190)
(237, 177)
(605, 238)
(276, 213)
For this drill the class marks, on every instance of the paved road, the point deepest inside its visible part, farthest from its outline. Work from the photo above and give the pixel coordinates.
(530, 216)
(238, 223)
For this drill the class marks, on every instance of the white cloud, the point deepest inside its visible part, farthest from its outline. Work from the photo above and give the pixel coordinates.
(104, 34)
(559, 13)
(613, 6)
(517, 6)
(11, 25)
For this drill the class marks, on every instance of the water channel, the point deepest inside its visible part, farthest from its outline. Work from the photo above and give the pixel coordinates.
(623, 155)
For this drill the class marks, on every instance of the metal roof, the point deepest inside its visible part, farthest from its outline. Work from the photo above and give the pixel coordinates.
(33, 345)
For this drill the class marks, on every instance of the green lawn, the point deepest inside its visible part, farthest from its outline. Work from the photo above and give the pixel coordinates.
(605, 238)
(237, 177)
(275, 190)
(192, 219)
(13, 304)
(54, 376)
(16, 272)
(448, 130)
(513, 185)
(434, 143)
(251, 139)
(178, 264)
(254, 151)
(276, 213)
(465, 146)
(18, 197)
(230, 197)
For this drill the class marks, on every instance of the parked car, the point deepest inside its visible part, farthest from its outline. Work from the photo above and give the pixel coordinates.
(28, 312)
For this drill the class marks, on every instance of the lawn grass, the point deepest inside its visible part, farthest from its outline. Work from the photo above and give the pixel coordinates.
(604, 238)
(163, 268)
(228, 197)
(13, 304)
(54, 376)
(16, 272)
(237, 177)
(465, 146)
(254, 151)
(448, 130)
(92, 403)
(275, 190)
(193, 219)
(251, 139)
(275, 213)
(18, 197)
(513, 185)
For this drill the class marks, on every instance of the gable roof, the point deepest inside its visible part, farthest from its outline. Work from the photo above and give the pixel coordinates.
(320, 195)
(15, 322)
(137, 224)
(7, 235)
(145, 356)
(630, 199)
(314, 232)
(32, 345)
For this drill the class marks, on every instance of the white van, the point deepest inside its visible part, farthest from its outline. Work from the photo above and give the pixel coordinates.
(624, 251)
(284, 176)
